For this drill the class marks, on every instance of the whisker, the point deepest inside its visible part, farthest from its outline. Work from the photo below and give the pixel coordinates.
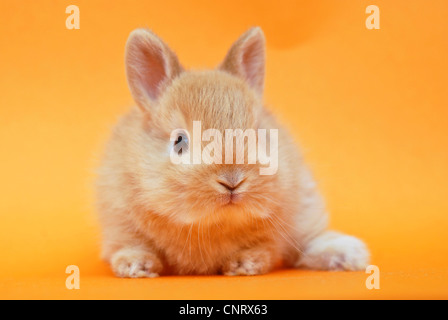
(199, 243)
(285, 235)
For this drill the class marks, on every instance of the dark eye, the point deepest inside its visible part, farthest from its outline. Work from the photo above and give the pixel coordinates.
(181, 143)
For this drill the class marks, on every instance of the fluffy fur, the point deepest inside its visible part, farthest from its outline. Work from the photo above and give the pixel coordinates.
(161, 218)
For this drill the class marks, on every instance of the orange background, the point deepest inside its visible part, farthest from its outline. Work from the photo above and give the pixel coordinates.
(369, 108)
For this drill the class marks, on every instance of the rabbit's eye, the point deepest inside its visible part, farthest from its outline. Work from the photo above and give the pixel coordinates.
(181, 143)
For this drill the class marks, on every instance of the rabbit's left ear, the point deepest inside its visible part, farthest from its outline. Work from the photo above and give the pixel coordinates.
(246, 59)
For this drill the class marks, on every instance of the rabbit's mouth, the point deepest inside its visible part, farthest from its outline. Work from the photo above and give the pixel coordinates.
(230, 198)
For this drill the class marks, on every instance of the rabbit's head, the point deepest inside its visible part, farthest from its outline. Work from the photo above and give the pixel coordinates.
(175, 174)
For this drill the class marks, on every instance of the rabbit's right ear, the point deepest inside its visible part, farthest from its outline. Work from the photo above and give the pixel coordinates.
(150, 67)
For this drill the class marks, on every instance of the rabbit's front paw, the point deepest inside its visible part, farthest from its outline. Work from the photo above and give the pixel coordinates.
(334, 251)
(248, 262)
(135, 263)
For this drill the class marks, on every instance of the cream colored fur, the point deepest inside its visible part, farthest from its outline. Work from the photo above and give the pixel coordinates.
(160, 218)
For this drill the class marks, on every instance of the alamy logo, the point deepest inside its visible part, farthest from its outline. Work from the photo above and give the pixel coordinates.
(72, 21)
(373, 281)
(72, 281)
(188, 150)
(373, 20)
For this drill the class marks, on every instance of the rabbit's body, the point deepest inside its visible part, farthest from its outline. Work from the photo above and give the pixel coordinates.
(159, 217)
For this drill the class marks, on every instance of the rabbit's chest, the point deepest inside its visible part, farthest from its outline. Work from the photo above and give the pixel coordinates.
(202, 250)
(198, 250)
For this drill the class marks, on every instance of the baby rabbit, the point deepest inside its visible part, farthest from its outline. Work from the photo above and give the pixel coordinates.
(159, 217)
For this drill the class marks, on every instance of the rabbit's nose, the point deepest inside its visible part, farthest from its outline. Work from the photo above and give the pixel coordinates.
(227, 185)
(230, 181)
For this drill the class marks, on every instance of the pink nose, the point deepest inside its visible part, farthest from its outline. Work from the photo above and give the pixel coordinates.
(230, 181)
(227, 185)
